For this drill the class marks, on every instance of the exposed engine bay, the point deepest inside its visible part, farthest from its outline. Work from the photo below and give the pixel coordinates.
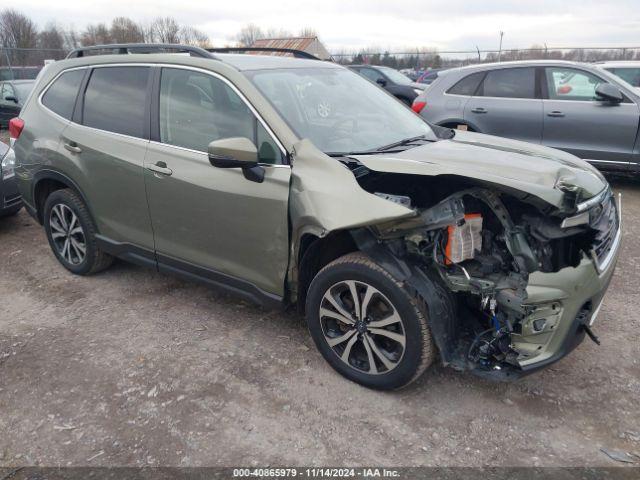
(480, 243)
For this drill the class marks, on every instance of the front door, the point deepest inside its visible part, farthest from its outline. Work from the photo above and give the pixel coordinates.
(214, 221)
(601, 132)
(8, 106)
(507, 104)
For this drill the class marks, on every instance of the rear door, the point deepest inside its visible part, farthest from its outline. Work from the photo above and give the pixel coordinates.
(603, 133)
(105, 145)
(507, 104)
(214, 222)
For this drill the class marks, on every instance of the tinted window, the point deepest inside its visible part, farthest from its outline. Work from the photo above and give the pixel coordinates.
(571, 84)
(61, 96)
(115, 100)
(196, 109)
(628, 74)
(468, 85)
(510, 83)
(372, 74)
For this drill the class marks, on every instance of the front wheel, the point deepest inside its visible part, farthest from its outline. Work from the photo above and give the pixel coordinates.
(367, 325)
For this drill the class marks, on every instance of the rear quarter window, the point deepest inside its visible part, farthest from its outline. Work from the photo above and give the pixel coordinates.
(60, 97)
(468, 85)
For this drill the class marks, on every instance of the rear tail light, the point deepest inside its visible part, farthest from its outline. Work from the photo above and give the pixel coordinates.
(418, 106)
(15, 127)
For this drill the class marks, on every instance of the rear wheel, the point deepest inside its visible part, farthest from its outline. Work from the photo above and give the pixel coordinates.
(367, 325)
(71, 234)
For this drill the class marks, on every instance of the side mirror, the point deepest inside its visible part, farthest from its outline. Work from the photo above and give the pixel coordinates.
(608, 93)
(382, 82)
(11, 98)
(236, 152)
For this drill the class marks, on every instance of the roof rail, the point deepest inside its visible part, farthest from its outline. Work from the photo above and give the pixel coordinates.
(292, 51)
(126, 48)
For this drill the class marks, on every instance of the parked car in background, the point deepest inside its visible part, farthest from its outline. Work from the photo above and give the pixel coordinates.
(576, 107)
(230, 169)
(13, 94)
(629, 71)
(394, 82)
(428, 77)
(10, 199)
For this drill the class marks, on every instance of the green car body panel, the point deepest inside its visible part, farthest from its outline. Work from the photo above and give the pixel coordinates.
(216, 220)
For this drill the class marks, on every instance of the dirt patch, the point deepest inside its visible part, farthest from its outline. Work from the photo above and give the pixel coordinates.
(131, 367)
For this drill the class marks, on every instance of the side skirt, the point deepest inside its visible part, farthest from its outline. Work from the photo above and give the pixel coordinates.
(165, 264)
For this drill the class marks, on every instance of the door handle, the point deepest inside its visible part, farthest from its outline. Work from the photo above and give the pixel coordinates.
(73, 147)
(479, 110)
(555, 113)
(159, 167)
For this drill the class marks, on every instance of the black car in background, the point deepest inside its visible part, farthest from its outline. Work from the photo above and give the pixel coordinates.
(10, 199)
(392, 81)
(13, 94)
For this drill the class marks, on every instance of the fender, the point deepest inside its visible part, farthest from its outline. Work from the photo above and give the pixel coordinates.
(51, 174)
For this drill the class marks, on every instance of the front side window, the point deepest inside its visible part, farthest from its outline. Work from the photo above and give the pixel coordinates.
(61, 95)
(115, 100)
(337, 109)
(631, 75)
(372, 74)
(510, 83)
(396, 77)
(571, 84)
(197, 109)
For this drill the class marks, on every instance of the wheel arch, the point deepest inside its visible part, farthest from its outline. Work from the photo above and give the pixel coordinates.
(315, 252)
(48, 181)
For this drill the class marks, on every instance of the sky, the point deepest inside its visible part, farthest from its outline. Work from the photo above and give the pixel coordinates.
(394, 25)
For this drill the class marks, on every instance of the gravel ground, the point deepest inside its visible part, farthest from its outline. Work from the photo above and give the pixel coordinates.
(131, 367)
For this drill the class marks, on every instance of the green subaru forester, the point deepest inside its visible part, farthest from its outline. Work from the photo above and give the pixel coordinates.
(297, 182)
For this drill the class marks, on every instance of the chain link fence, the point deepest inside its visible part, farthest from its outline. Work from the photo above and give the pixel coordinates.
(25, 63)
(431, 58)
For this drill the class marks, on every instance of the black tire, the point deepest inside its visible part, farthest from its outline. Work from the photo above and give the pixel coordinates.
(94, 259)
(418, 350)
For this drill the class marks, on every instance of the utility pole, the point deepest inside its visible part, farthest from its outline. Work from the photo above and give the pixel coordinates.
(500, 49)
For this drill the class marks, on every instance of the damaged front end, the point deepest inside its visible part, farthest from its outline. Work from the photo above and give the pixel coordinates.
(512, 271)
(502, 275)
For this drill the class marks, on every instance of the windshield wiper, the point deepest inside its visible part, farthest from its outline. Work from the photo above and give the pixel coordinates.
(400, 143)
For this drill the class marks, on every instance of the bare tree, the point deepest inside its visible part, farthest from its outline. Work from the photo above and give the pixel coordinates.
(125, 30)
(249, 34)
(192, 36)
(97, 34)
(17, 31)
(308, 32)
(277, 33)
(165, 30)
(51, 38)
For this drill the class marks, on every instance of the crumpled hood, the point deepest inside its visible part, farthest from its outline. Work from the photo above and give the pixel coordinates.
(524, 166)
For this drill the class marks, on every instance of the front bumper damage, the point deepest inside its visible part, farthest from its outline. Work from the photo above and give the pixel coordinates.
(562, 304)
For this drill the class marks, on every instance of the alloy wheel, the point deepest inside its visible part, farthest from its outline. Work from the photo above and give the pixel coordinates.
(67, 234)
(362, 327)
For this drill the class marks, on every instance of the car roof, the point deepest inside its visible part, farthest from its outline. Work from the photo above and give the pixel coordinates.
(266, 62)
(619, 63)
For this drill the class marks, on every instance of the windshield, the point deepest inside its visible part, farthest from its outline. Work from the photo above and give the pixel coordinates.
(631, 75)
(338, 110)
(23, 90)
(395, 76)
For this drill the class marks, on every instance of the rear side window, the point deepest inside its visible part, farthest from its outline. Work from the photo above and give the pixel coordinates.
(61, 95)
(468, 85)
(510, 83)
(115, 100)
